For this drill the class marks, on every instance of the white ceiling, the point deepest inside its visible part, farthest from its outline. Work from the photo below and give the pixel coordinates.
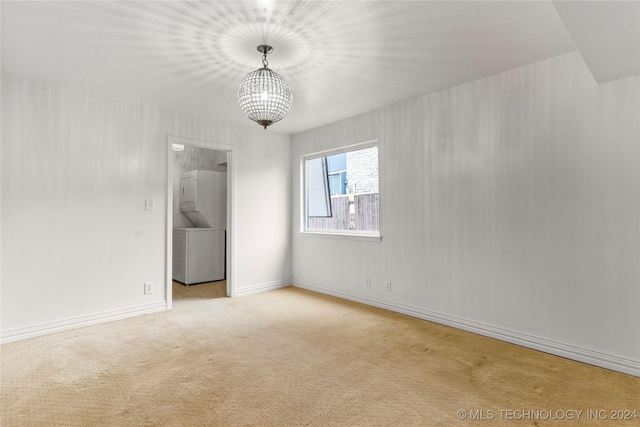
(607, 34)
(342, 58)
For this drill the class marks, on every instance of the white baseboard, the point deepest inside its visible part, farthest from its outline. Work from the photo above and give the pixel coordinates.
(262, 287)
(76, 322)
(580, 354)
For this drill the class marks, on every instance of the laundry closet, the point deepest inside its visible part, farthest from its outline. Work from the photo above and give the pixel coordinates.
(200, 215)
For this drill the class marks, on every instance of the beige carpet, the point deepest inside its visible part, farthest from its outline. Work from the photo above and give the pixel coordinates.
(295, 358)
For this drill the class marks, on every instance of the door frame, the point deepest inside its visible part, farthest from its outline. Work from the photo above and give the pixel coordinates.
(230, 262)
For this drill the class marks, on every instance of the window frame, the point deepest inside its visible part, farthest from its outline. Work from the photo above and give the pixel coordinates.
(372, 236)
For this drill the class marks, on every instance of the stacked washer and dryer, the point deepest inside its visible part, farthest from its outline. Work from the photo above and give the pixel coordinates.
(199, 251)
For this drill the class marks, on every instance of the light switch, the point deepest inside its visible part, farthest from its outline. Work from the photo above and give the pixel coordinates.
(148, 205)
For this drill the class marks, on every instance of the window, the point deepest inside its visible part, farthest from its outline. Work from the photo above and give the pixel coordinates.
(341, 191)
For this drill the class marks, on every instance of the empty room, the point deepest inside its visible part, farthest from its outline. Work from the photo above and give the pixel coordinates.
(320, 213)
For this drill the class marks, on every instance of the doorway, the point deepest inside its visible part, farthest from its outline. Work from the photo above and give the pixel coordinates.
(186, 155)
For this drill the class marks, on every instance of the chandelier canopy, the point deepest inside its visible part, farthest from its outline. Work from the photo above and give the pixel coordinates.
(264, 96)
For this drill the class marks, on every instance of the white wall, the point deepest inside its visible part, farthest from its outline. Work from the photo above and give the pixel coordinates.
(509, 207)
(77, 243)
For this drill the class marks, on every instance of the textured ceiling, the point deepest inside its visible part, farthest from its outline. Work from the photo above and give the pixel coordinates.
(342, 58)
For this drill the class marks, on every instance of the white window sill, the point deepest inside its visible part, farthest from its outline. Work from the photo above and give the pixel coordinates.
(337, 235)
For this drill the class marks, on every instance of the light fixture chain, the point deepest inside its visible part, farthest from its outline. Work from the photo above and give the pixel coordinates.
(265, 63)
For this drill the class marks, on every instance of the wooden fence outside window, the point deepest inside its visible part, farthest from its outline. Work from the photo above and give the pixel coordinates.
(357, 212)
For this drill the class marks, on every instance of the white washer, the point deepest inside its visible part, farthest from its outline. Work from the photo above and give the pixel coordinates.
(198, 255)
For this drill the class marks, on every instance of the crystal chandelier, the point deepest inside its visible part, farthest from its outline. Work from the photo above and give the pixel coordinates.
(263, 95)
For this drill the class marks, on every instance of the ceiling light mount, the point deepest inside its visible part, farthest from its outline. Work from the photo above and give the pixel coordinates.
(265, 49)
(264, 96)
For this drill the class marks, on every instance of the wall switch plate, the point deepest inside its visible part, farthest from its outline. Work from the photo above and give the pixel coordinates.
(388, 286)
(148, 288)
(367, 283)
(148, 205)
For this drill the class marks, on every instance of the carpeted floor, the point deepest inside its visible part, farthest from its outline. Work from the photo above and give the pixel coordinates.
(296, 358)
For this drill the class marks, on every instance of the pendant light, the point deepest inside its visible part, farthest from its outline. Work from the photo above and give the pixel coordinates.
(263, 95)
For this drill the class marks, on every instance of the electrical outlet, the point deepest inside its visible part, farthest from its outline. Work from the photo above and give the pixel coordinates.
(367, 283)
(388, 286)
(148, 288)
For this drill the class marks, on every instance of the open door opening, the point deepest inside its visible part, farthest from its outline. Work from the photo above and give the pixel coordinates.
(199, 220)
